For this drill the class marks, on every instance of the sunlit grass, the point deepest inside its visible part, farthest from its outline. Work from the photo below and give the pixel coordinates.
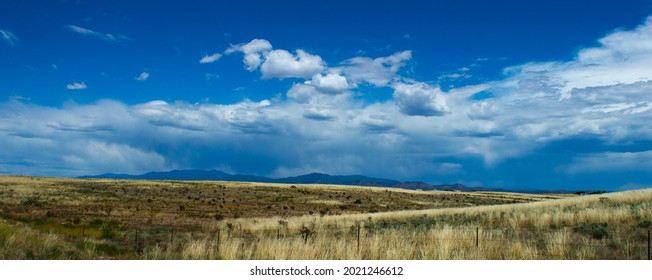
(55, 218)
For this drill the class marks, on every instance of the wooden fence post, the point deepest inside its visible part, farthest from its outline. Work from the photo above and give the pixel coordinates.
(136, 241)
(477, 237)
(217, 246)
(171, 237)
(649, 257)
(358, 236)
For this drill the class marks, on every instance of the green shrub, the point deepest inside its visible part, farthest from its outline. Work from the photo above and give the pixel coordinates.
(109, 229)
(32, 201)
(645, 224)
(595, 230)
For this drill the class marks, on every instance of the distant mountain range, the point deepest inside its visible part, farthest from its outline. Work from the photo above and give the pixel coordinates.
(312, 178)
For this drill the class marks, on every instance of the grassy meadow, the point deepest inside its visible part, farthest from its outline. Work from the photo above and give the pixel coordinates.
(53, 218)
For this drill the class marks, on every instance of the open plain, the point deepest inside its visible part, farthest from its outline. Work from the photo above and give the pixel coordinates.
(55, 218)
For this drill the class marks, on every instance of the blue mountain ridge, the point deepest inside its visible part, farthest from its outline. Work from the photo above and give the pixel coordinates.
(312, 178)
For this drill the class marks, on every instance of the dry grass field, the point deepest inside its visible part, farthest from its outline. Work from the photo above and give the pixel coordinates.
(51, 218)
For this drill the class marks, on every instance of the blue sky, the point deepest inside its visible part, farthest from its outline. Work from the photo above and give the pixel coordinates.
(511, 94)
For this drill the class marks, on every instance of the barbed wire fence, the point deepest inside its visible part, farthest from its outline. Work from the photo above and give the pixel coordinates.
(636, 241)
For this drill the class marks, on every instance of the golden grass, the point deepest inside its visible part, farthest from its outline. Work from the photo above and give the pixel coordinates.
(539, 230)
(20, 242)
(121, 219)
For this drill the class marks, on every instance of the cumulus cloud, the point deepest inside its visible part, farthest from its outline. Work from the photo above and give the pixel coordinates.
(622, 57)
(210, 58)
(253, 52)
(301, 93)
(278, 63)
(282, 64)
(332, 83)
(420, 99)
(72, 140)
(8, 37)
(246, 116)
(76, 86)
(103, 36)
(320, 114)
(603, 94)
(142, 77)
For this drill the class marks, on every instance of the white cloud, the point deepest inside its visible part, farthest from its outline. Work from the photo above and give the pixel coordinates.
(623, 57)
(76, 86)
(332, 83)
(610, 162)
(379, 71)
(8, 37)
(537, 104)
(73, 140)
(246, 116)
(603, 93)
(92, 155)
(282, 64)
(320, 114)
(104, 36)
(455, 76)
(253, 52)
(301, 93)
(420, 99)
(210, 58)
(278, 63)
(142, 77)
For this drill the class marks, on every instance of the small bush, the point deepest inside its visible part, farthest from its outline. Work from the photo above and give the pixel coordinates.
(32, 201)
(645, 224)
(95, 222)
(595, 230)
(109, 229)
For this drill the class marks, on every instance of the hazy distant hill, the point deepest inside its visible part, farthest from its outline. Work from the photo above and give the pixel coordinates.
(169, 175)
(312, 178)
(319, 178)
